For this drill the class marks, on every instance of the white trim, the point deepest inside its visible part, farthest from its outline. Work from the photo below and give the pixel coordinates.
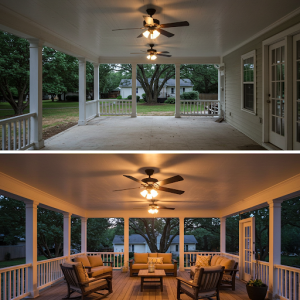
(243, 57)
(265, 30)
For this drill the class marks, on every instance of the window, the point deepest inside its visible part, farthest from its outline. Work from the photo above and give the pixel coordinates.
(132, 248)
(137, 90)
(249, 82)
(176, 248)
(183, 89)
(186, 248)
(172, 90)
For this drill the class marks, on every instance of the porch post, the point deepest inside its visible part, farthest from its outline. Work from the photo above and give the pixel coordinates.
(36, 93)
(177, 90)
(83, 235)
(31, 247)
(133, 86)
(223, 235)
(274, 245)
(82, 91)
(67, 234)
(96, 87)
(181, 244)
(126, 242)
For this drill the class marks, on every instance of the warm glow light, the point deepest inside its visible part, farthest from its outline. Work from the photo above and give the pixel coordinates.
(144, 193)
(148, 56)
(146, 34)
(149, 196)
(154, 193)
(154, 34)
(153, 57)
(153, 211)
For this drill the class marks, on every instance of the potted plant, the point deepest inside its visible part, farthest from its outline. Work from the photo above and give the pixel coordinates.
(256, 289)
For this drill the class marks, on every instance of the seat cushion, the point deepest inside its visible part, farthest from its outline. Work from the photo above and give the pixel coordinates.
(95, 284)
(152, 254)
(141, 258)
(165, 267)
(196, 275)
(139, 266)
(95, 261)
(82, 274)
(84, 259)
(203, 260)
(213, 260)
(96, 271)
(155, 260)
(166, 256)
(227, 277)
(193, 268)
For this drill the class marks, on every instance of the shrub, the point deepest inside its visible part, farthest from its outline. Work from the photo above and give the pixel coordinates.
(131, 254)
(129, 97)
(170, 100)
(7, 256)
(194, 95)
(138, 98)
(119, 97)
(144, 97)
(72, 98)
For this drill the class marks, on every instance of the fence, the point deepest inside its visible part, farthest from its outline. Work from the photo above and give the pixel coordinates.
(199, 108)
(16, 132)
(17, 251)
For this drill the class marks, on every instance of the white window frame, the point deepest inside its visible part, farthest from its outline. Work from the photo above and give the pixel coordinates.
(172, 90)
(244, 57)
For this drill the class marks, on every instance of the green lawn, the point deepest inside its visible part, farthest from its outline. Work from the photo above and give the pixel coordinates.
(16, 262)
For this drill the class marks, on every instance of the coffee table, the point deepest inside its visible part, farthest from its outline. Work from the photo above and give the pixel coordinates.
(144, 274)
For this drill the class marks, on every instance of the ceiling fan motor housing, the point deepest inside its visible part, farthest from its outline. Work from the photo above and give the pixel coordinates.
(155, 23)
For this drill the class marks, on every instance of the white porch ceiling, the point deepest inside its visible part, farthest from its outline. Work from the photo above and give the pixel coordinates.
(212, 182)
(70, 25)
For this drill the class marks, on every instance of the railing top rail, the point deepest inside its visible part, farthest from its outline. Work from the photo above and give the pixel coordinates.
(114, 100)
(50, 260)
(17, 118)
(91, 101)
(229, 254)
(198, 252)
(265, 263)
(283, 267)
(15, 268)
(106, 252)
(77, 254)
(200, 100)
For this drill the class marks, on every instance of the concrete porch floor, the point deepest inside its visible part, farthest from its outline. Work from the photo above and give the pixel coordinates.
(152, 133)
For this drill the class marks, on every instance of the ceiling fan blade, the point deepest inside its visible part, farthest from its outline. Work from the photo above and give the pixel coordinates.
(139, 36)
(163, 189)
(164, 55)
(162, 52)
(176, 24)
(134, 179)
(170, 180)
(126, 189)
(128, 28)
(138, 53)
(163, 207)
(165, 33)
(148, 20)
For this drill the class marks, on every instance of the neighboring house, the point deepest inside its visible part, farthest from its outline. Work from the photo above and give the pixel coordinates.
(138, 244)
(168, 89)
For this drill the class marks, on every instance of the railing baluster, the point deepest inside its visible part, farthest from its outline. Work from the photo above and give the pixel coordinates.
(9, 136)
(15, 135)
(19, 135)
(3, 136)
(24, 133)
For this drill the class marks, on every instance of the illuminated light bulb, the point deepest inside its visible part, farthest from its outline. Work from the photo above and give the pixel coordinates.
(153, 57)
(153, 211)
(149, 196)
(154, 34)
(149, 56)
(154, 193)
(146, 34)
(144, 193)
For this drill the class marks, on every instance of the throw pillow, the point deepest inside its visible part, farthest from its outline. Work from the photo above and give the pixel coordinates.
(155, 260)
(95, 261)
(203, 261)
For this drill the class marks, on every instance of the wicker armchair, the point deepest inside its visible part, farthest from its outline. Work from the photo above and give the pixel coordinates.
(78, 282)
(206, 284)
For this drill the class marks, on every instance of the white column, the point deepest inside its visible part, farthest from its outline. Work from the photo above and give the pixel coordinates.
(274, 245)
(133, 114)
(31, 247)
(83, 235)
(67, 235)
(126, 241)
(181, 244)
(177, 90)
(36, 92)
(82, 91)
(223, 235)
(96, 87)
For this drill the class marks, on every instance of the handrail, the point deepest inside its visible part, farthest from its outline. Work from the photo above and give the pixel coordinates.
(51, 259)
(284, 267)
(15, 268)
(200, 107)
(17, 118)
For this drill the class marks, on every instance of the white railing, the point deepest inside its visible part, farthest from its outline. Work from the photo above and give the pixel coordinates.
(116, 257)
(199, 107)
(262, 272)
(13, 282)
(91, 109)
(192, 256)
(288, 282)
(236, 258)
(115, 107)
(49, 271)
(16, 132)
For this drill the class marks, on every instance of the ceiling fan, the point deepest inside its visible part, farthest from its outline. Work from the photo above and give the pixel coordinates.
(152, 185)
(154, 28)
(152, 53)
(154, 208)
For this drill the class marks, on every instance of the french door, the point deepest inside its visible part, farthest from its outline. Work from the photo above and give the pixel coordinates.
(247, 248)
(277, 101)
(296, 92)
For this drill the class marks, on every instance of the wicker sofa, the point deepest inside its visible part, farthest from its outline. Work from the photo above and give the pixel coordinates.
(140, 262)
(94, 265)
(228, 279)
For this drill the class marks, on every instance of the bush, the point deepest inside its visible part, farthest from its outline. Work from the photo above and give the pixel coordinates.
(119, 97)
(131, 254)
(170, 100)
(7, 256)
(144, 97)
(138, 98)
(129, 97)
(72, 98)
(194, 95)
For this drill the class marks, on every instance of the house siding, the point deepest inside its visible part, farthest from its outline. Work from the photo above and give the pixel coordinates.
(245, 122)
